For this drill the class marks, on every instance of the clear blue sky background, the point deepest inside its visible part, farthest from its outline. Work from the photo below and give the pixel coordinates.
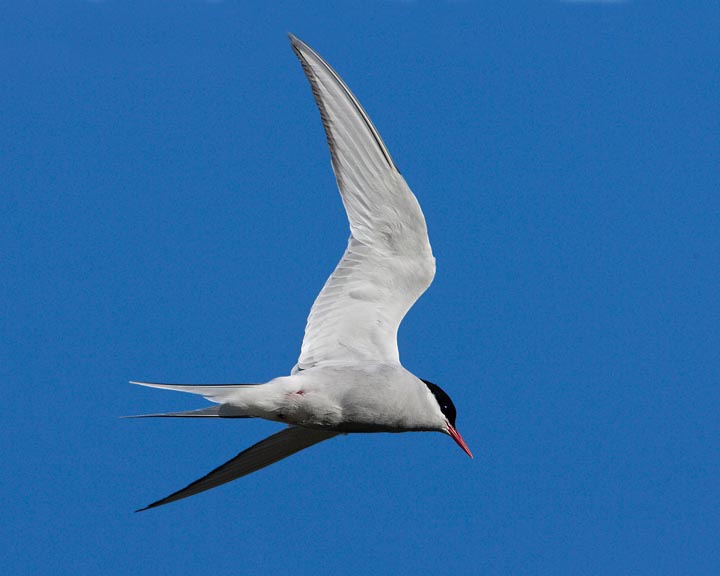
(169, 214)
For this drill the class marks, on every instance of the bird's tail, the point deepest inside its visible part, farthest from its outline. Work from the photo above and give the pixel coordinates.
(218, 393)
(209, 412)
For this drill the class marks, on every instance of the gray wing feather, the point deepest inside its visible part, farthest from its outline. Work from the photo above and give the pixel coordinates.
(276, 447)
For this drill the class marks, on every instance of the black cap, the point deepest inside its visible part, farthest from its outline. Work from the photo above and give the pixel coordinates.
(446, 405)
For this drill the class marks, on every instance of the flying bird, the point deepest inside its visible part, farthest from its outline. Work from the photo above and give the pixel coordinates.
(348, 378)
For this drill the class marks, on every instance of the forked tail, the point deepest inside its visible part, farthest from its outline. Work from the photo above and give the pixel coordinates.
(218, 393)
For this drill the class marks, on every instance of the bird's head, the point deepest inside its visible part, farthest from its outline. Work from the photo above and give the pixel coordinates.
(448, 409)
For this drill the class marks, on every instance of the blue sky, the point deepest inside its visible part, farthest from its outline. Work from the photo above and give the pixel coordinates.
(169, 214)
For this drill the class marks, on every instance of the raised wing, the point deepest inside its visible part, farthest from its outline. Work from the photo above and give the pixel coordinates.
(388, 263)
(276, 447)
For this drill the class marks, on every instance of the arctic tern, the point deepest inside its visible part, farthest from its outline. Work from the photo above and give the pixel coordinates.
(348, 378)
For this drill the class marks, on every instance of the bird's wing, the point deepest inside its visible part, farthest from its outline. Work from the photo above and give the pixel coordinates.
(276, 447)
(388, 263)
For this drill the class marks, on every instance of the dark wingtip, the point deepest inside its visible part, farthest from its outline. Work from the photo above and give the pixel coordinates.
(149, 506)
(295, 42)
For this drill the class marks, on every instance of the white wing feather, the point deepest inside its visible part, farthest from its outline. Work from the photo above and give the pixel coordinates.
(388, 263)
